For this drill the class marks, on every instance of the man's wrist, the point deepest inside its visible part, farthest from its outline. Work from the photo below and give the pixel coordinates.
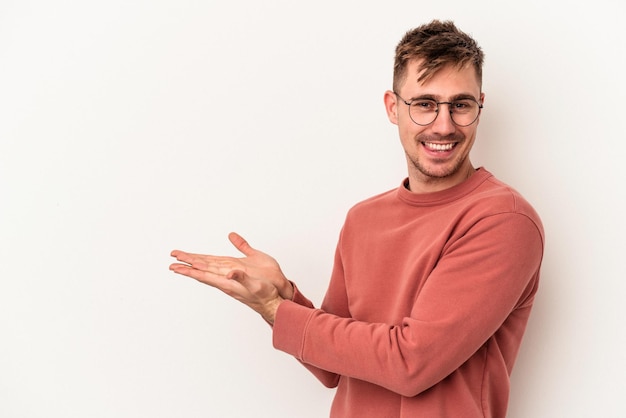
(288, 291)
(271, 308)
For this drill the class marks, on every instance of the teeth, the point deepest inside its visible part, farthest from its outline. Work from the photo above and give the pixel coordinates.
(439, 147)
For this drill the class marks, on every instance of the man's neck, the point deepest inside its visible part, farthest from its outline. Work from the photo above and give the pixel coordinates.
(421, 183)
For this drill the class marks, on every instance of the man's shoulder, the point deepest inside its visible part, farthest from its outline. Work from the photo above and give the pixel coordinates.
(496, 190)
(495, 197)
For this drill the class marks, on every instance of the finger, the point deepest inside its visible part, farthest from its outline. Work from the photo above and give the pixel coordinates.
(249, 290)
(186, 257)
(218, 281)
(241, 244)
(257, 294)
(237, 275)
(212, 263)
(181, 268)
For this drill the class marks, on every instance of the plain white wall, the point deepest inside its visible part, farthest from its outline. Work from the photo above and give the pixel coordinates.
(129, 128)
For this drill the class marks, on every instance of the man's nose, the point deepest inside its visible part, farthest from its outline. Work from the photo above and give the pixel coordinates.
(443, 124)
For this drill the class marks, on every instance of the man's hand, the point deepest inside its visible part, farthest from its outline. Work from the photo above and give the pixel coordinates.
(255, 280)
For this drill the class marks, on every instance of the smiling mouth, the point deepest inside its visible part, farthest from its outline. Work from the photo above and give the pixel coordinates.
(439, 147)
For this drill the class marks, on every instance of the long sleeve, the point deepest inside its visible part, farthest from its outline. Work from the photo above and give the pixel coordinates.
(482, 281)
(335, 301)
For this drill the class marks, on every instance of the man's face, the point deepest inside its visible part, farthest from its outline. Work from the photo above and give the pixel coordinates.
(437, 154)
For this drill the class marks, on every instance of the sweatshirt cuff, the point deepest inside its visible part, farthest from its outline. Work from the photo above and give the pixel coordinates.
(299, 297)
(290, 326)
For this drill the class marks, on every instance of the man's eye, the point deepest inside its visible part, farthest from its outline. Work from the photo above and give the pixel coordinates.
(463, 106)
(425, 105)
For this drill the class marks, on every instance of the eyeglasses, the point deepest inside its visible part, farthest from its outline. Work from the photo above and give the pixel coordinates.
(423, 112)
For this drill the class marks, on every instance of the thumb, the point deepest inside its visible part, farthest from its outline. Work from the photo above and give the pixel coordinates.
(240, 243)
(237, 275)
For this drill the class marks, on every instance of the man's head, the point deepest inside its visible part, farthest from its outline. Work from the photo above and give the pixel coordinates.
(436, 103)
(436, 45)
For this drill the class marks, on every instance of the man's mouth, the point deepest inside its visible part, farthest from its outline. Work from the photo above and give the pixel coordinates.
(432, 146)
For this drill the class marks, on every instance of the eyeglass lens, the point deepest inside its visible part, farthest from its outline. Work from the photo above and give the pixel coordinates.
(463, 112)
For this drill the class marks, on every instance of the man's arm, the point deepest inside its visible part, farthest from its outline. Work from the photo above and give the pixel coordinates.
(451, 319)
(484, 284)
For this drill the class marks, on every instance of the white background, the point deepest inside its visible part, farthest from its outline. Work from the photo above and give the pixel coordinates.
(130, 128)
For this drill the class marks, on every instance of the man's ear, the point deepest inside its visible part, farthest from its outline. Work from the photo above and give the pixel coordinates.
(391, 106)
(481, 101)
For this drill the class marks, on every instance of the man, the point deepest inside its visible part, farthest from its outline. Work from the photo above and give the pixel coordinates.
(433, 282)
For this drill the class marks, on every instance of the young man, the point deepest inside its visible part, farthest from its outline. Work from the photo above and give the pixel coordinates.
(433, 282)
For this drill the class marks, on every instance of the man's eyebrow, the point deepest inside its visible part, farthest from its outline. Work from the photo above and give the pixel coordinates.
(423, 97)
(463, 96)
(428, 96)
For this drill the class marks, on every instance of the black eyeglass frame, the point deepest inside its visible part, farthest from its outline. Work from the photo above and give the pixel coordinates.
(480, 107)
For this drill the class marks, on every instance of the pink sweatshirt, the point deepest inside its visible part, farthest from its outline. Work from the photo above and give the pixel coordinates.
(427, 304)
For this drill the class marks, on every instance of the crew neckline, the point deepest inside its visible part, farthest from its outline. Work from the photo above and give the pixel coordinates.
(443, 196)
